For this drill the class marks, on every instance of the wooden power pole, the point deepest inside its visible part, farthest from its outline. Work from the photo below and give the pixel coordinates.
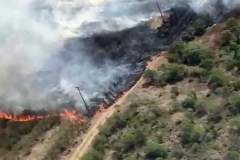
(160, 10)
(85, 103)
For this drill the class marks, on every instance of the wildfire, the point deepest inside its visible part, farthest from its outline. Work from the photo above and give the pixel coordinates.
(21, 118)
(71, 115)
(68, 114)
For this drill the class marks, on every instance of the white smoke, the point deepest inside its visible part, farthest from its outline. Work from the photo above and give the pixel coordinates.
(32, 34)
(79, 18)
(208, 6)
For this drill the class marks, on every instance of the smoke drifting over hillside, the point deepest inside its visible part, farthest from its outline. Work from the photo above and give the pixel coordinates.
(38, 71)
(34, 72)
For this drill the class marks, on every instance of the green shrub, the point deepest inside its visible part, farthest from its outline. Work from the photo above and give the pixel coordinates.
(232, 24)
(174, 92)
(192, 133)
(149, 74)
(192, 54)
(100, 142)
(131, 139)
(207, 64)
(227, 61)
(234, 104)
(197, 72)
(155, 150)
(235, 126)
(236, 85)
(174, 73)
(188, 53)
(177, 152)
(176, 52)
(154, 78)
(231, 43)
(227, 38)
(210, 108)
(166, 75)
(93, 155)
(113, 124)
(232, 155)
(201, 23)
(217, 78)
(189, 103)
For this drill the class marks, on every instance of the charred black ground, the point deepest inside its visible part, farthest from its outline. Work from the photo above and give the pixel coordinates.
(130, 47)
(133, 47)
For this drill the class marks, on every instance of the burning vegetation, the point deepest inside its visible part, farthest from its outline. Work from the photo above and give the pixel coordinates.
(125, 52)
(130, 48)
(189, 108)
(71, 115)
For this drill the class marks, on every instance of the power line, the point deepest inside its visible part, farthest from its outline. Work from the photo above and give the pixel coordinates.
(160, 10)
(85, 103)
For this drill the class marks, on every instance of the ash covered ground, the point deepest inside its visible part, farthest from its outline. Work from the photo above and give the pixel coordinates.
(127, 52)
(100, 47)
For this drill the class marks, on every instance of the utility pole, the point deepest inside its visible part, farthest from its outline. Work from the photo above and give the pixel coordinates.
(160, 10)
(85, 103)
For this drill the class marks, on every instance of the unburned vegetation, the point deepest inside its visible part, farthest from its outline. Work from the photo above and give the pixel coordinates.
(43, 139)
(188, 108)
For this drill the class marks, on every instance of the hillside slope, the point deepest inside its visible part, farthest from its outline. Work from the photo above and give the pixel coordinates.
(187, 108)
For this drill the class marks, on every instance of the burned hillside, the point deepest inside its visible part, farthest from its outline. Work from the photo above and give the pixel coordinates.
(133, 47)
(178, 105)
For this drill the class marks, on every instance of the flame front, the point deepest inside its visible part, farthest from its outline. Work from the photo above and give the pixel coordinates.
(22, 118)
(71, 115)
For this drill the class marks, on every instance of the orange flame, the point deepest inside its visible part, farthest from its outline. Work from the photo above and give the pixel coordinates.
(21, 118)
(72, 115)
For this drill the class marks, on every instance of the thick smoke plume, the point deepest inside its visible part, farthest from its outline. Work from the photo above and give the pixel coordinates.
(35, 71)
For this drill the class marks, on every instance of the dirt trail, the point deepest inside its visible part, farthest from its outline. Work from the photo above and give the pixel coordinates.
(102, 117)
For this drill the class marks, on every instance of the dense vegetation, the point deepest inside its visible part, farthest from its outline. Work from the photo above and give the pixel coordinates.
(18, 138)
(210, 126)
(12, 132)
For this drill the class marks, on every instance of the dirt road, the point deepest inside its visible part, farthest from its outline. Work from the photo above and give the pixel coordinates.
(102, 117)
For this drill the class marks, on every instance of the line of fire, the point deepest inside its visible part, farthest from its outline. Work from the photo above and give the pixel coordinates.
(175, 21)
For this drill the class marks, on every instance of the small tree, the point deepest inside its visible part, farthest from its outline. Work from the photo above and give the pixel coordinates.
(235, 126)
(217, 78)
(207, 64)
(234, 104)
(93, 155)
(165, 75)
(155, 150)
(189, 103)
(176, 52)
(232, 155)
(232, 24)
(227, 38)
(188, 53)
(100, 142)
(174, 73)
(113, 124)
(192, 133)
(131, 139)
(149, 74)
